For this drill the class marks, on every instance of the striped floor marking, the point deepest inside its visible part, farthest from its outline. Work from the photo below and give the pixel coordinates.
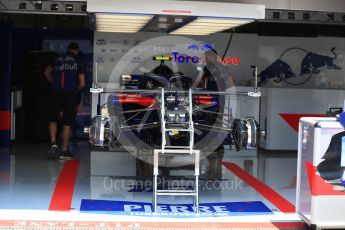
(149, 225)
(64, 188)
(271, 195)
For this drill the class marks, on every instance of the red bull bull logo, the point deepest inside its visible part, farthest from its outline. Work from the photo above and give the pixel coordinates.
(311, 64)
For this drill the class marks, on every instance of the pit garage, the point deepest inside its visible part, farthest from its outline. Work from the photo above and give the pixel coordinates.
(172, 114)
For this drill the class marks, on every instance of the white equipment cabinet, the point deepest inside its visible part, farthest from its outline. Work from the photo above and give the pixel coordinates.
(318, 202)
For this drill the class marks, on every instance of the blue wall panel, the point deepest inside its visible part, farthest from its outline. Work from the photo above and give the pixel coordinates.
(5, 84)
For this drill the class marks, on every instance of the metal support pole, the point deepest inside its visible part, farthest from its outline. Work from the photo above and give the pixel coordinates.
(256, 79)
(196, 186)
(191, 125)
(155, 175)
(163, 128)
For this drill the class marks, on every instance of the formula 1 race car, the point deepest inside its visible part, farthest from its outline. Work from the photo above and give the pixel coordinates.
(133, 115)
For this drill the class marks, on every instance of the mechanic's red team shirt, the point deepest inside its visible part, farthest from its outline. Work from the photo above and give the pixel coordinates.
(66, 73)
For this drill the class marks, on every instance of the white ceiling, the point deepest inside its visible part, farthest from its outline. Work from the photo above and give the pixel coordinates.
(312, 5)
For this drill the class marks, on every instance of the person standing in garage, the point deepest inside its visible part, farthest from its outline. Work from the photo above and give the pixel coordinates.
(217, 75)
(68, 79)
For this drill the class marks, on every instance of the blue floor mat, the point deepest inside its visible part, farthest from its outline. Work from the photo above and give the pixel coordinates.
(174, 210)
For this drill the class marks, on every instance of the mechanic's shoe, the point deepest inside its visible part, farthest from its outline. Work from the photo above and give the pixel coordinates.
(54, 151)
(65, 155)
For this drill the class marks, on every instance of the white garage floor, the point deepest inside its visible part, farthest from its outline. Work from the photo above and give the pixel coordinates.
(42, 192)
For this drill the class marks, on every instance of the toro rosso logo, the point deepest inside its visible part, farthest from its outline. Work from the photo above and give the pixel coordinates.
(184, 59)
(180, 58)
(311, 64)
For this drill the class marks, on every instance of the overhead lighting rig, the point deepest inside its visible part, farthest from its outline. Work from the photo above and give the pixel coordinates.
(69, 7)
(196, 18)
(43, 7)
(300, 16)
(306, 16)
(38, 5)
(122, 23)
(22, 5)
(54, 7)
(209, 25)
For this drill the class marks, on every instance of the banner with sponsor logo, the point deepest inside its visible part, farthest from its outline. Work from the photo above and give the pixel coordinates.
(316, 62)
